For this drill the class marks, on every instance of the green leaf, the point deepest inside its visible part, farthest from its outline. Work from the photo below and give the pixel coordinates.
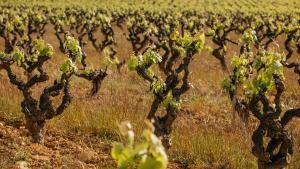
(72, 46)
(200, 42)
(9, 27)
(158, 86)
(174, 36)
(87, 72)
(227, 85)
(150, 72)
(68, 67)
(42, 49)
(257, 64)
(149, 154)
(47, 51)
(117, 150)
(255, 72)
(211, 32)
(2, 55)
(186, 41)
(249, 37)
(133, 63)
(151, 163)
(18, 57)
(151, 57)
(170, 101)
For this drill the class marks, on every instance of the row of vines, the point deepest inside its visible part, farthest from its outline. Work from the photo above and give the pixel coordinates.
(164, 44)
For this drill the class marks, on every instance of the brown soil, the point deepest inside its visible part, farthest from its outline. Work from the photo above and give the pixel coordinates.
(60, 150)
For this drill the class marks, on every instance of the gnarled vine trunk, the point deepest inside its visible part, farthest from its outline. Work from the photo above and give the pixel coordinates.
(36, 128)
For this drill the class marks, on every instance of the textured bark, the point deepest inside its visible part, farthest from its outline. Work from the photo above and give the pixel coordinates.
(36, 128)
(176, 82)
(276, 153)
(38, 111)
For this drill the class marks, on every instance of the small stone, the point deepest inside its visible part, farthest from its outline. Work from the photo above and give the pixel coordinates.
(40, 158)
(86, 155)
(22, 165)
(2, 133)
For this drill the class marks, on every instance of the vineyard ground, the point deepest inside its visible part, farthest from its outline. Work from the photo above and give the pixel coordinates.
(206, 135)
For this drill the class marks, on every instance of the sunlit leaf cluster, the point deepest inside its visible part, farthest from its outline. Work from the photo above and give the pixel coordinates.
(148, 154)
